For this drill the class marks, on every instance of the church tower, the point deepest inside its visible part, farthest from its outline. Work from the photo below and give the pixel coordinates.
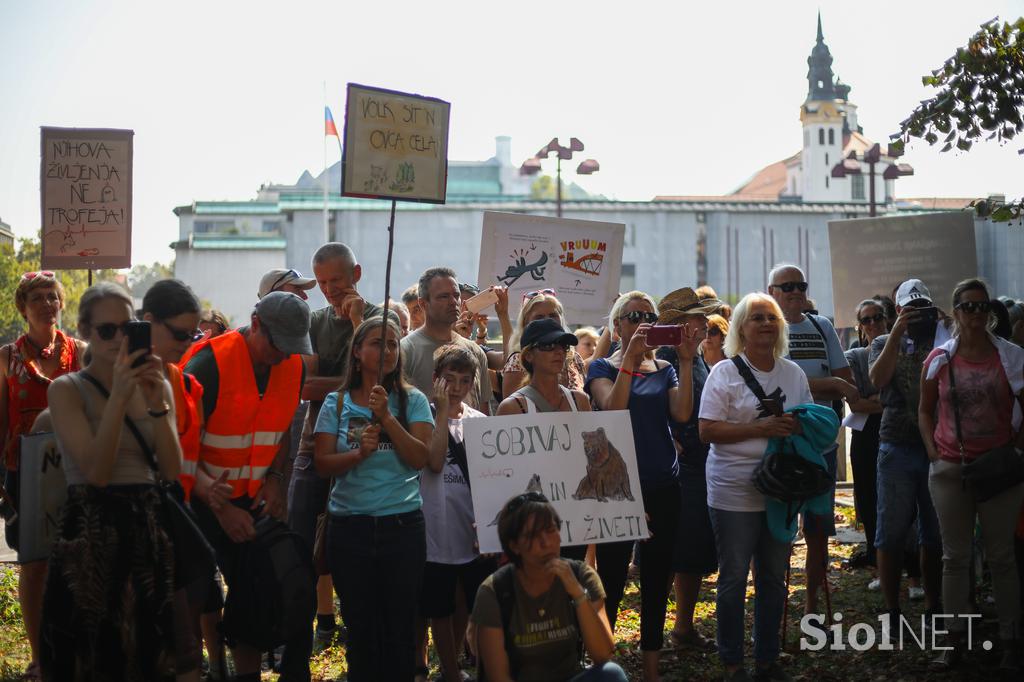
(823, 116)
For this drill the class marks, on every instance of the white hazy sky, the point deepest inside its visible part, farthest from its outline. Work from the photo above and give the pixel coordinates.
(670, 97)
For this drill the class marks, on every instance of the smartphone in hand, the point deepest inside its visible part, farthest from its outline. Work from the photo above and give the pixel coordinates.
(482, 300)
(139, 337)
(664, 335)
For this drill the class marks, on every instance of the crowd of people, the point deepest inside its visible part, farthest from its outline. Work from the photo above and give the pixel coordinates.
(224, 484)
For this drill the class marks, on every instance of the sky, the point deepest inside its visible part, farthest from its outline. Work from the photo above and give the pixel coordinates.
(672, 98)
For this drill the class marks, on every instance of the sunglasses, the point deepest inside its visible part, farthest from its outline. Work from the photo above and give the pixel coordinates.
(542, 292)
(182, 334)
(279, 280)
(869, 319)
(974, 306)
(555, 345)
(39, 273)
(714, 331)
(638, 316)
(760, 318)
(108, 330)
(788, 287)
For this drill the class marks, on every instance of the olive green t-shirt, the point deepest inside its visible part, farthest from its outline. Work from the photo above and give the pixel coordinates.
(544, 632)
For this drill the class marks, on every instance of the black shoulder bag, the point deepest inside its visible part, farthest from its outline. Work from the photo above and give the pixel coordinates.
(993, 471)
(194, 558)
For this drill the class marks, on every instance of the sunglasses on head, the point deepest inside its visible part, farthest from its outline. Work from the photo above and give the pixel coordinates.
(468, 288)
(182, 334)
(974, 306)
(788, 287)
(279, 280)
(519, 500)
(868, 319)
(108, 330)
(38, 273)
(542, 292)
(638, 316)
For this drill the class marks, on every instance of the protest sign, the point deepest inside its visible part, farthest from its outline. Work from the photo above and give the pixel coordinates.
(86, 198)
(580, 260)
(43, 492)
(584, 463)
(874, 255)
(396, 146)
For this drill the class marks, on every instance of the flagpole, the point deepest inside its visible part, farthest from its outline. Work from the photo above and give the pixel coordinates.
(327, 227)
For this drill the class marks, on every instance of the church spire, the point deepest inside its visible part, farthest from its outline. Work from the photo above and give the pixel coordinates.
(819, 72)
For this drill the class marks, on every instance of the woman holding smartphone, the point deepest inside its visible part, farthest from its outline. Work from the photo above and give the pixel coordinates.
(108, 607)
(632, 379)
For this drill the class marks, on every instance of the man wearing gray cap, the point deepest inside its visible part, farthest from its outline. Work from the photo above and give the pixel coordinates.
(252, 378)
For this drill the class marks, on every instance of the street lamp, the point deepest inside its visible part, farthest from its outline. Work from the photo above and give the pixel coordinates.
(851, 166)
(532, 165)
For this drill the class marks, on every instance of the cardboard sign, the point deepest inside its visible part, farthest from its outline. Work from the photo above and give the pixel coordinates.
(580, 260)
(43, 492)
(874, 255)
(396, 146)
(584, 463)
(86, 195)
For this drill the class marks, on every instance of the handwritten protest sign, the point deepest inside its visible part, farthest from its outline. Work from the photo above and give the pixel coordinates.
(86, 197)
(43, 492)
(396, 145)
(874, 255)
(581, 260)
(584, 463)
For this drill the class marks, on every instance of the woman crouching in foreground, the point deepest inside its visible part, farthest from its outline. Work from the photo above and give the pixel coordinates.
(536, 615)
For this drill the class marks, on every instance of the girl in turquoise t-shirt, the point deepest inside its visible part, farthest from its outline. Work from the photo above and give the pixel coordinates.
(374, 446)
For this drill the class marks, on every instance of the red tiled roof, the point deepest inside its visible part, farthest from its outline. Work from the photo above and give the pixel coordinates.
(770, 181)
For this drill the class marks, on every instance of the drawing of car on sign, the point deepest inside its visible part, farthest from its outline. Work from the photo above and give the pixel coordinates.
(589, 264)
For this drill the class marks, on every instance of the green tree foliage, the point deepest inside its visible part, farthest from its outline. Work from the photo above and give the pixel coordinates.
(544, 187)
(980, 95)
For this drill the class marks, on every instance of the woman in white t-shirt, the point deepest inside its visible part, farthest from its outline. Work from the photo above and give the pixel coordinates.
(738, 427)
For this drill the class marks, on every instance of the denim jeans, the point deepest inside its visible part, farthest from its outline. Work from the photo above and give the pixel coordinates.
(739, 537)
(606, 672)
(902, 493)
(307, 497)
(376, 564)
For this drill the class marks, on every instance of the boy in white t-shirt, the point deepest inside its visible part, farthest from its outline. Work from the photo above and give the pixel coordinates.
(452, 553)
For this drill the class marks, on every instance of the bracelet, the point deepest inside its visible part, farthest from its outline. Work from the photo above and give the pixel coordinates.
(623, 370)
(156, 414)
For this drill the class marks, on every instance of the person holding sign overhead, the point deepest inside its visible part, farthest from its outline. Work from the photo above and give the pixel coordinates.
(631, 378)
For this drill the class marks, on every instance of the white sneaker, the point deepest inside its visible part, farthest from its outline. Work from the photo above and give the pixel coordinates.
(915, 593)
(875, 585)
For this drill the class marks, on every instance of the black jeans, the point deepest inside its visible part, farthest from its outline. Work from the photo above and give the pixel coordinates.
(377, 568)
(662, 506)
(864, 461)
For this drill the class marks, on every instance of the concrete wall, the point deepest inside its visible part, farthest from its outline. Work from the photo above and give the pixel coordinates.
(228, 280)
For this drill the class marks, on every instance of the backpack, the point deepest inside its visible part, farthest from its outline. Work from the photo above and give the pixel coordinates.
(273, 588)
(505, 590)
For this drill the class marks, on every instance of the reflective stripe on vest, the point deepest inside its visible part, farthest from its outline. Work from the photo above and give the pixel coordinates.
(188, 411)
(245, 431)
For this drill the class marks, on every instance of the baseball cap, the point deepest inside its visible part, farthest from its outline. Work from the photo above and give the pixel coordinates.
(276, 278)
(912, 290)
(682, 302)
(546, 331)
(286, 317)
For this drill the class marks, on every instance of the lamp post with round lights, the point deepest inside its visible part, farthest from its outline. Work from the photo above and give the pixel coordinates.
(851, 165)
(532, 165)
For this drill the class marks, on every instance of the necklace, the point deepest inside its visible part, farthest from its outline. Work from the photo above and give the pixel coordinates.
(44, 353)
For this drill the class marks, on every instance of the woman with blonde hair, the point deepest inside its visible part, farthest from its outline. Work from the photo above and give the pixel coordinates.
(655, 395)
(27, 366)
(737, 425)
(539, 305)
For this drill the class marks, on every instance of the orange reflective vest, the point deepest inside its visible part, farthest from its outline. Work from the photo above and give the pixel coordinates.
(244, 433)
(188, 410)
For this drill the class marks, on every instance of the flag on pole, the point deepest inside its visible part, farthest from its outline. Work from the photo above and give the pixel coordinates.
(329, 127)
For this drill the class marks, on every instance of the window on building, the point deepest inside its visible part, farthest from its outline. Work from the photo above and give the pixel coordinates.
(826, 158)
(627, 282)
(826, 182)
(857, 187)
(214, 227)
(831, 136)
(821, 136)
(702, 217)
(273, 226)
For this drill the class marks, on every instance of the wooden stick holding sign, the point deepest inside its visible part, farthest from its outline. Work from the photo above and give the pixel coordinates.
(396, 147)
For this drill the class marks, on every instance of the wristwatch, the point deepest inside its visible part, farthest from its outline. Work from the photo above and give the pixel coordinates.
(582, 599)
